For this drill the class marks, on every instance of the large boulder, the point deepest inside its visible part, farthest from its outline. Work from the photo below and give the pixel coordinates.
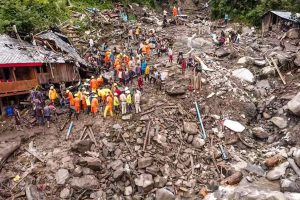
(82, 146)
(84, 182)
(279, 122)
(293, 33)
(246, 60)
(90, 162)
(277, 172)
(61, 176)
(222, 53)
(164, 194)
(294, 105)
(244, 75)
(198, 142)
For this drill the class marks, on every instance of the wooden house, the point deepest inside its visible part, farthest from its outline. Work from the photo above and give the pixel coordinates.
(279, 20)
(23, 66)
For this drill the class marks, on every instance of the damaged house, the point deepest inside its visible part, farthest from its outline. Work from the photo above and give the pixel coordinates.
(23, 65)
(280, 20)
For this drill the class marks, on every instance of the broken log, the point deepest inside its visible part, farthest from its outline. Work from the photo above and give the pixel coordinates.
(280, 75)
(146, 136)
(273, 161)
(233, 179)
(8, 150)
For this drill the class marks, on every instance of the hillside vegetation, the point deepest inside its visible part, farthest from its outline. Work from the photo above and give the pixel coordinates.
(250, 11)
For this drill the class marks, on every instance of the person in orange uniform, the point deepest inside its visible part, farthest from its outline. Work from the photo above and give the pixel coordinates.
(70, 98)
(175, 13)
(107, 58)
(109, 106)
(93, 84)
(126, 60)
(148, 49)
(94, 105)
(100, 81)
(83, 102)
(77, 105)
(52, 94)
(144, 49)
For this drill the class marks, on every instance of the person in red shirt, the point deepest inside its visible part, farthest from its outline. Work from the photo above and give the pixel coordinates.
(140, 83)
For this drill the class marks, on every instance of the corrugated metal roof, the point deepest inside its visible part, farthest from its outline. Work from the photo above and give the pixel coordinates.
(285, 15)
(61, 44)
(14, 51)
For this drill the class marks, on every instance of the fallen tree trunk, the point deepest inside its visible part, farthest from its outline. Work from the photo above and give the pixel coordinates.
(6, 149)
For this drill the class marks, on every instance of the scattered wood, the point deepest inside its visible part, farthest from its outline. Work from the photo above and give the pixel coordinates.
(146, 136)
(82, 133)
(233, 179)
(35, 155)
(92, 136)
(277, 68)
(147, 112)
(8, 150)
(127, 144)
(192, 164)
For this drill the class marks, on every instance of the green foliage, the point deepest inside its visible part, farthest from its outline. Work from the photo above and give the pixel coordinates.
(250, 11)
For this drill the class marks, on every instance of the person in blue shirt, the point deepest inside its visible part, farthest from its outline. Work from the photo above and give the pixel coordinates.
(143, 66)
(226, 18)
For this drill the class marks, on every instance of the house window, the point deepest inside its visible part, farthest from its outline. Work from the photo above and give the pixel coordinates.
(5, 74)
(42, 69)
(24, 73)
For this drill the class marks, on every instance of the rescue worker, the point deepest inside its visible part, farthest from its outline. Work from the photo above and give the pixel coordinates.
(147, 73)
(148, 49)
(88, 102)
(123, 103)
(100, 81)
(174, 11)
(128, 101)
(52, 94)
(140, 83)
(109, 106)
(84, 102)
(77, 105)
(116, 103)
(93, 84)
(70, 98)
(137, 100)
(94, 105)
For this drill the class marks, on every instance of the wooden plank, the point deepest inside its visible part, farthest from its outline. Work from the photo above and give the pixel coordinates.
(280, 75)
(17, 86)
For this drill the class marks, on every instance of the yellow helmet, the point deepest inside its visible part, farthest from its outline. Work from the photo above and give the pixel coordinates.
(92, 77)
(52, 87)
(67, 91)
(76, 95)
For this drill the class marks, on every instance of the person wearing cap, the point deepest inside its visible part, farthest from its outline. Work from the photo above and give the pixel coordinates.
(93, 84)
(128, 100)
(137, 101)
(147, 73)
(77, 105)
(116, 103)
(123, 103)
(48, 108)
(94, 105)
(52, 94)
(109, 106)
(69, 98)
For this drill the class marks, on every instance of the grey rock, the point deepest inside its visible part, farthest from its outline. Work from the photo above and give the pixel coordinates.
(297, 60)
(245, 61)
(145, 162)
(127, 117)
(128, 191)
(160, 181)
(144, 118)
(90, 162)
(77, 171)
(61, 176)
(294, 105)
(82, 146)
(268, 71)
(190, 128)
(99, 195)
(260, 133)
(266, 115)
(65, 193)
(117, 126)
(190, 139)
(164, 194)
(198, 142)
(87, 171)
(296, 156)
(287, 185)
(293, 33)
(176, 91)
(144, 182)
(222, 53)
(277, 172)
(118, 173)
(260, 63)
(244, 74)
(279, 122)
(115, 164)
(84, 182)
(291, 196)
(263, 84)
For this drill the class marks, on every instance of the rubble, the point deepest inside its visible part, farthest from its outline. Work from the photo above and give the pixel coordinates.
(279, 122)
(277, 172)
(294, 105)
(84, 182)
(244, 74)
(164, 194)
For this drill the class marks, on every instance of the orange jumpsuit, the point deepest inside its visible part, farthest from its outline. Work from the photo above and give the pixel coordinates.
(148, 49)
(100, 81)
(71, 98)
(144, 50)
(106, 58)
(109, 106)
(126, 60)
(77, 104)
(94, 105)
(83, 101)
(93, 84)
(175, 12)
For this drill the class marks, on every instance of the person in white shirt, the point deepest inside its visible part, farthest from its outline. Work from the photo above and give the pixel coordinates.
(137, 101)
(123, 103)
